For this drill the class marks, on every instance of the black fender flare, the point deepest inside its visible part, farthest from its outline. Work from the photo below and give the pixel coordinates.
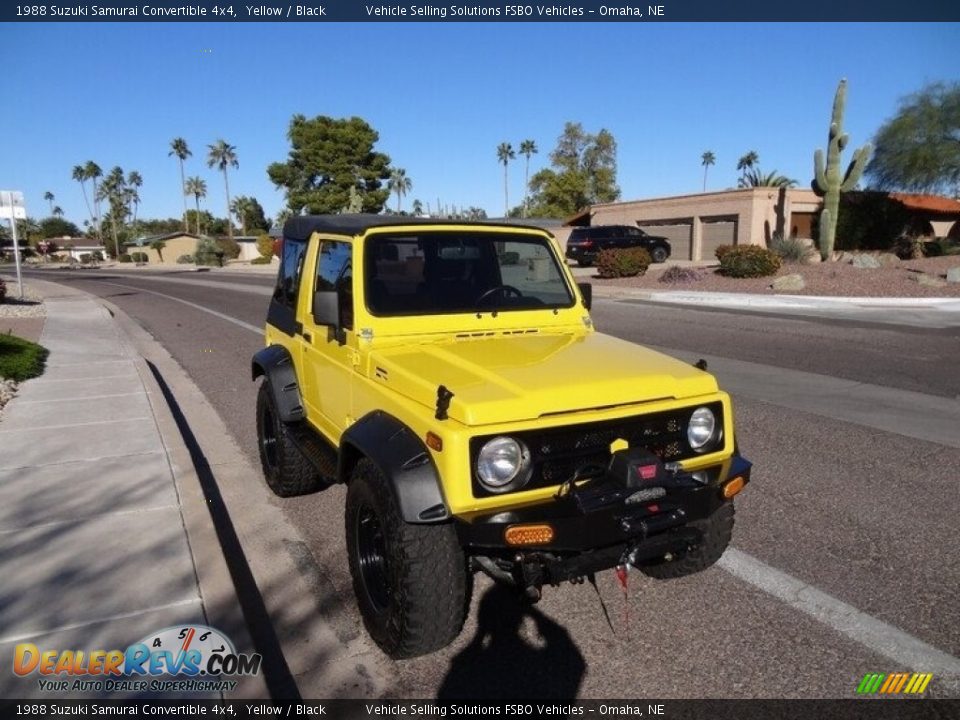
(403, 459)
(274, 362)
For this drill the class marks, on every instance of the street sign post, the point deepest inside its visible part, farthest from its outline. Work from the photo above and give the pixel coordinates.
(12, 208)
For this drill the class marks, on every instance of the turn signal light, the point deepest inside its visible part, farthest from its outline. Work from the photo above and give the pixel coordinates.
(732, 487)
(528, 534)
(434, 442)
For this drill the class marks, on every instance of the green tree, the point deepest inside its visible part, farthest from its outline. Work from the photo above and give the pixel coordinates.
(198, 188)
(505, 154)
(583, 172)
(240, 207)
(249, 212)
(223, 155)
(56, 227)
(707, 159)
(918, 149)
(417, 207)
(527, 148)
(48, 196)
(57, 211)
(399, 183)
(328, 156)
(159, 245)
(179, 148)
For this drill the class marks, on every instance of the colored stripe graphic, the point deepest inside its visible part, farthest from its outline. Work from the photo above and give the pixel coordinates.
(894, 683)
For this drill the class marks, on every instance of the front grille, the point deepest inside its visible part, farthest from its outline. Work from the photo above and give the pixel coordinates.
(557, 454)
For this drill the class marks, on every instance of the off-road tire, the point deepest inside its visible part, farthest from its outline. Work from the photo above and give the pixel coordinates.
(411, 582)
(287, 472)
(717, 531)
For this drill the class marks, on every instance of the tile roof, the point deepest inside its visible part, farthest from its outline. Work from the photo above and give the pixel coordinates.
(928, 203)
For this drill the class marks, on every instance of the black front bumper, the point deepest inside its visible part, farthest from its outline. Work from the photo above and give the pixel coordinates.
(602, 522)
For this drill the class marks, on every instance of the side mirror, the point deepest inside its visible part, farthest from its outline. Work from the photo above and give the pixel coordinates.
(326, 310)
(586, 290)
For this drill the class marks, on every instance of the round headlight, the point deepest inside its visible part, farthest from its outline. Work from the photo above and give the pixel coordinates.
(702, 428)
(500, 462)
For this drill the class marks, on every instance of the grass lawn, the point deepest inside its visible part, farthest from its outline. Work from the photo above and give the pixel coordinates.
(20, 359)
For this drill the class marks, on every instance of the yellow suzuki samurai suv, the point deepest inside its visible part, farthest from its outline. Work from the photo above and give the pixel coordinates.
(450, 375)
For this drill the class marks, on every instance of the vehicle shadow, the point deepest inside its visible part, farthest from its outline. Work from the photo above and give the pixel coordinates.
(501, 663)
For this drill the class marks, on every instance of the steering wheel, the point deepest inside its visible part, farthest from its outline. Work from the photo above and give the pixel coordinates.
(505, 289)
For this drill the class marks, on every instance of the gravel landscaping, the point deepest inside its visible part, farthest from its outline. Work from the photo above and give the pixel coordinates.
(905, 278)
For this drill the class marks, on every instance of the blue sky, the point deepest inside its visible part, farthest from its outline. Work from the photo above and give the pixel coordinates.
(442, 97)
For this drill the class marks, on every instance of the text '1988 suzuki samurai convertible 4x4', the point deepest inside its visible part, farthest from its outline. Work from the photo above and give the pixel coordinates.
(450, 375)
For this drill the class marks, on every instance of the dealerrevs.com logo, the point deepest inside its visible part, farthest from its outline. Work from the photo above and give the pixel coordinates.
(188, 658)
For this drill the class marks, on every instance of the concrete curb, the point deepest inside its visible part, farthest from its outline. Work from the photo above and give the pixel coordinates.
(245, 551)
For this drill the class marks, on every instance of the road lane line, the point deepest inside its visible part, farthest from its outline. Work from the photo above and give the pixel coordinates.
(903, 649)
(196, 306)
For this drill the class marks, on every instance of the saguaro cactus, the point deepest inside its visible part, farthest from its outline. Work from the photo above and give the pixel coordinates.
(827, 183)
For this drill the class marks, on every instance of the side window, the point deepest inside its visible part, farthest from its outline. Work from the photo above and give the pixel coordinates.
(291, 269)
(335, 272)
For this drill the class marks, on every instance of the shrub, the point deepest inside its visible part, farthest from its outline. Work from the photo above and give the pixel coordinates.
(791, 249)
(97, 256)
(722, 250)
(746, 261)
(85, 258)
(229, 247)
(139, 257)
(185, 260)
(3, 290)
(206, 252)
(125, 258)
(677, 274)
(265, 245)
(262, 260)
(625, 262)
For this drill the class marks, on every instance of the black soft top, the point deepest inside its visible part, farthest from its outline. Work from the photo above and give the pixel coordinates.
(303, 226)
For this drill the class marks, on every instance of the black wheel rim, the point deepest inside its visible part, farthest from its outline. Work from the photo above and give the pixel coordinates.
(372, 558)
(268, 437)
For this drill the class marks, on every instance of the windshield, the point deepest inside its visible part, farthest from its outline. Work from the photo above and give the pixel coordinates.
(451, 272)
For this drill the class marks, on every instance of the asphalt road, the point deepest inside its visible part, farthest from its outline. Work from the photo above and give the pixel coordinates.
(845, 555)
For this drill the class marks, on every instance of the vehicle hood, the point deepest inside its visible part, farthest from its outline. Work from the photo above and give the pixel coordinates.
(524, 375)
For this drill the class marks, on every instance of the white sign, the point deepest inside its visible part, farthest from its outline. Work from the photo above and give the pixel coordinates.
(11, 205)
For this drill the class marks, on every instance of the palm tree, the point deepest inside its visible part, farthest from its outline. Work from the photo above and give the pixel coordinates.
(57, 211)
(707, 159)
(178, 147)
(527, 148)
(80, 175)
(223, 155)
(134, 183)
(747, 161)
(417, 207)
(198, 188)
(159, 245)
(400, 184)
(48, 196)
(114, 190)
(92, 171)
(241, 207)
(505, 154)
(755, 178)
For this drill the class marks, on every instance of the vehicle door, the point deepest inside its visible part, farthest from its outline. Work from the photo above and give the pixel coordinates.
(330, 353)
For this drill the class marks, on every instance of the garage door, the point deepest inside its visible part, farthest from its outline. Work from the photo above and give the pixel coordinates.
(715, 234)
(679, 235)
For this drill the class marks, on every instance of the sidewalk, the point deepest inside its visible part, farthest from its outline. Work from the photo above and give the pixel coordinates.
(95, 527)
